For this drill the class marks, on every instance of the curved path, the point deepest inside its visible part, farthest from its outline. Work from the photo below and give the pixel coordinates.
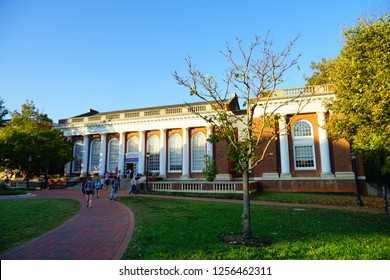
(98, 233)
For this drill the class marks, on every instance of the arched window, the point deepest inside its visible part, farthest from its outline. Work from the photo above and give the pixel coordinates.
(95, 156)
(77, 156)
(303, 139)
(198, 152)
(153, 148)
(113, 154)
(175, 153)
(132, 145)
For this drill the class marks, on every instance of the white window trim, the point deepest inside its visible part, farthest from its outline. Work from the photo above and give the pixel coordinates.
(169, 157)
(77, 143)
(153, 154)
(90, 157)
(109, 154)
(304, 141)
(192, 147)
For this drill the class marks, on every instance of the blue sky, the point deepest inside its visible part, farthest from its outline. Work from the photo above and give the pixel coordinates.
(71, 55)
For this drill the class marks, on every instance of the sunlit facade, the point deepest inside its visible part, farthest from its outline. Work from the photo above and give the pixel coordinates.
(171, 143)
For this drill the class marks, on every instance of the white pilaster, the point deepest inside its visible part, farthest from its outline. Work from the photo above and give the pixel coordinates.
(103, 154)
(84, 162)
(324, 146)
(121, 159)
(210, 149)
(142, 152)
(163, 153)
(284, 152)
(186, 154)
(68, 165)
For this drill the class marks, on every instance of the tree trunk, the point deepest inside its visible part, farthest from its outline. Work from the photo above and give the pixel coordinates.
(246, 216)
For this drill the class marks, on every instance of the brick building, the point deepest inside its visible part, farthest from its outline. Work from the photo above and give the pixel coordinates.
(171, 143)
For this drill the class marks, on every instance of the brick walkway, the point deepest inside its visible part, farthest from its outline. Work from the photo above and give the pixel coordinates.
(102, 232)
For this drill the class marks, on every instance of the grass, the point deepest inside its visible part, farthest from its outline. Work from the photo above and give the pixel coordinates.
(289, 197)
(183, 229)
(8, 191)
(321, 199)
(23, 220)
(175, 229)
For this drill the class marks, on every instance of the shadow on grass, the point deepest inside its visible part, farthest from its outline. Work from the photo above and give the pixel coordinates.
(175, 229)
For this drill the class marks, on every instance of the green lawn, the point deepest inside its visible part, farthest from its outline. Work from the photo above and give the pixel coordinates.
(183, 229)
(322, 199)
(174, 229)
(23, 220)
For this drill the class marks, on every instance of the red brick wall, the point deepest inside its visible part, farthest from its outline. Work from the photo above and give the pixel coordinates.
(337, 186)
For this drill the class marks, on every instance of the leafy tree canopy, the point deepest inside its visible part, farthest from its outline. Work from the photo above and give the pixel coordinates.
(360, 112)
(30, 134)
(3, 112)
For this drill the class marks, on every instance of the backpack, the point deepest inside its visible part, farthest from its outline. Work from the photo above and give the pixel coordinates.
(116, 184)
(88, 186)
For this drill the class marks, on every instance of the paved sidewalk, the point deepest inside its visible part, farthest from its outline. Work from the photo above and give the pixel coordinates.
(102, 232)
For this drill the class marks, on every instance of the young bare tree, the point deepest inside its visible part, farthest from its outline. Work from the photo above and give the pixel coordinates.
(253, 76)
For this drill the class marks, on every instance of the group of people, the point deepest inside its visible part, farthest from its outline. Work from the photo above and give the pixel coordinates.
(89, 187)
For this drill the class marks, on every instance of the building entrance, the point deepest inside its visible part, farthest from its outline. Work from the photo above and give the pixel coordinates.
(129, 170)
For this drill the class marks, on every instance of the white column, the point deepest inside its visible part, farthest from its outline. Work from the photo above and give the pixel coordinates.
(103, 154)
(210, 150)
(186, 154)
(163, 152)
(142, 152)
(284, 152)
(67, 165)
(324, 146)
(84, 162)
(121, 159)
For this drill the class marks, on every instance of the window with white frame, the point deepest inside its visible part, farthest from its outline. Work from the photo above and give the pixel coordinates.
(175, 153)
(153, 148)
(198, 152)
(133, 145)
(113, 154)
(303, 140)
(95, 156)
(77, 156)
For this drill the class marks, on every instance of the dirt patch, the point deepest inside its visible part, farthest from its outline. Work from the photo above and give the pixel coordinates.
(254, 241)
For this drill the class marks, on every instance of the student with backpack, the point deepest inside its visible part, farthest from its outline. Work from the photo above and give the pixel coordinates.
(115, 187)
(89, 190)
(133, 188)
(98, 186)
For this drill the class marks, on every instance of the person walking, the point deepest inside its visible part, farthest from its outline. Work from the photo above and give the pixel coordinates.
(133, 188)
(83, 182)
(107, 183)
(89, 190)
(115, 187)
(98, 186)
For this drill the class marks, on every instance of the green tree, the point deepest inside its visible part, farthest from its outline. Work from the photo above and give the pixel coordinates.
(254, 74)
(322, 73)
(210, 170)
(30, 134)
(3, 112)
(360, 113)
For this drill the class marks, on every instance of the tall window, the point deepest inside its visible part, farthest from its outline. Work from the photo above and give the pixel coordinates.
(198, 152)
(153, 147)
(95, 156)
(132, 145)
(113, 154)
(303, 139)
(77, 156)
(175, 153)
